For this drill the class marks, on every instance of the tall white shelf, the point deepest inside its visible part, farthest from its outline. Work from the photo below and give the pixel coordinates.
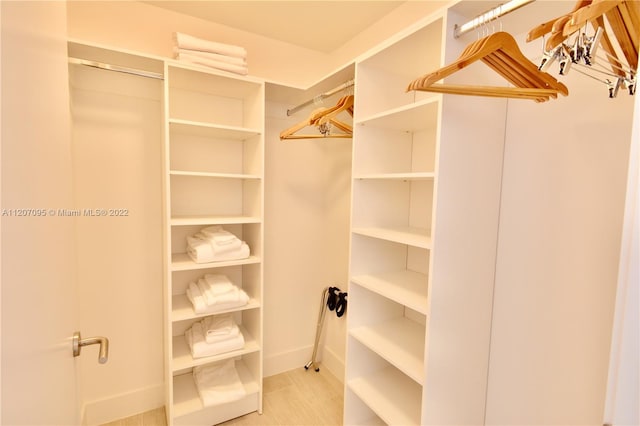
(214, 175)
(416, 326)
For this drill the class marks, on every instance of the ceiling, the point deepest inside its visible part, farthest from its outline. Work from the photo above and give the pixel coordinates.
(319, 25)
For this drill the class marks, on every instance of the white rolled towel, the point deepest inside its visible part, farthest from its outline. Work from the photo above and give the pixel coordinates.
(186, 41)
(217, 283)
(199, 253)
(218, 383)
(222, 241)
(219, 328)
(200, 348)
(234, 60)
(220, 244)
(212, 63)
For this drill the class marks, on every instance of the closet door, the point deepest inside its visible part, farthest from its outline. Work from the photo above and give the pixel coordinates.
(214, 177)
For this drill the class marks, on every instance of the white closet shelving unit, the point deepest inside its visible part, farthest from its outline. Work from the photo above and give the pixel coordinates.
(415, 327)
(214, 151)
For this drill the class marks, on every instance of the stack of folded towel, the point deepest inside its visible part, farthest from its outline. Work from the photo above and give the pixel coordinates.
(211, 54)
(214, 244)
(218, 383)
(215, 293)
(214, 336)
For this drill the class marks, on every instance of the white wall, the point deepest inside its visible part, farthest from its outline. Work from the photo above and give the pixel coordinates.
(306, 242)
(559, 241)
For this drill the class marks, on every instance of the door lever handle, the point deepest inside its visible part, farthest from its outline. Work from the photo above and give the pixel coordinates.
(79, 342)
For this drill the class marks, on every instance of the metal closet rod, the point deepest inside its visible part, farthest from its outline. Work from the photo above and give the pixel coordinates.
(117, 68)
(489, 16)
(320, 97)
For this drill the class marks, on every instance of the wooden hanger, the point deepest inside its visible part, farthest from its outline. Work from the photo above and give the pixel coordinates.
(323, 119)
(345, 103)
(501, 53)
(547, 27)
(624, 19)
(558, 35)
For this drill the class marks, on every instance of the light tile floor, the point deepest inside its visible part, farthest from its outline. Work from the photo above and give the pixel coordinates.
(297, 397)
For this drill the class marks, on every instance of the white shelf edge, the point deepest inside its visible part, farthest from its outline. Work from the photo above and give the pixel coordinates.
(396, 176)
(408, 288)
(176, 63)
(213, 175)
(416, 237)
(394, 397)
(182, 309)
(186, 399)
(400, 342)
(182, 359)
(182, 262)
(398, 110)
(238, 130)
(213, 220)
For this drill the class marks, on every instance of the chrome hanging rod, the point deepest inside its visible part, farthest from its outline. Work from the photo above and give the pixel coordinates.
(117, 68)
(317, 99)
(489, 16)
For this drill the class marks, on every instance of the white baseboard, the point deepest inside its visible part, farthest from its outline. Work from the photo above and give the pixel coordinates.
(333, 363)
(298, 358)
(122, 405)
(286, 361)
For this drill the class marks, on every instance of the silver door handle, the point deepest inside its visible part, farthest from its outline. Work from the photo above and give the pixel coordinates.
(78, 343)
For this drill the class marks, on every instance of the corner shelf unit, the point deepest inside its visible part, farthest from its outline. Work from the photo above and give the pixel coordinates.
(414, 327)
(214, 175)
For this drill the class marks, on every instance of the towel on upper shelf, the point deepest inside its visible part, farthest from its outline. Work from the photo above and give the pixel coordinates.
(195, 337)
(221, 56)
(215, 293)
(215, 244)
(212, 63)
(186, 41)
(218, 383)
(233, 60)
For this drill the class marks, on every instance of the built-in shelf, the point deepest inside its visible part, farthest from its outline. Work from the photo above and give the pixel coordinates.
(214, 131)
(399, 341)
(396, 176)
(407, 118)
(213, 175)
(182, 308)
(186, 399)
(406, 287)
(393, 396)
(416, 237)
(213, 220)
(182, 262)
(182, 358)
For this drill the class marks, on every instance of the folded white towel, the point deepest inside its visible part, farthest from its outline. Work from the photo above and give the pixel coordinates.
(200, 348)
(220, 244)
(200, 255)
(218, 383)
(196, 298)
(219, 328)
(199, 250)
(241, 61)
(212, 63)
(186, 41)
(218, 283)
